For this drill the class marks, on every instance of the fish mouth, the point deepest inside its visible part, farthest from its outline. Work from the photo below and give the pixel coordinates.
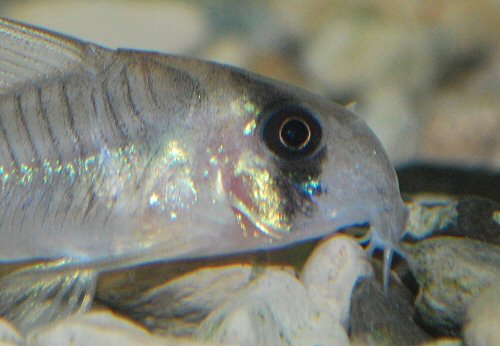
(387, 222)
(337, 220)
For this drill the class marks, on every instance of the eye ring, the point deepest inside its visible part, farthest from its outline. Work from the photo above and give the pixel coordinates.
(284, 131)
(291, 131)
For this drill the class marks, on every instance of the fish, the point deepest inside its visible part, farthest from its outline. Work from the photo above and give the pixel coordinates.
(115, 158)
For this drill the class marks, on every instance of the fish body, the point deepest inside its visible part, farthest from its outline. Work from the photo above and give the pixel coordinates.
(110, 158)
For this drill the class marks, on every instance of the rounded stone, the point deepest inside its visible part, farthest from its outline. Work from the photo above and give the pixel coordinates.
(330, 273)
(94, 328)
(453, 253)
(275, 309)
(262, 314)
(483, 318)
(379, 318)
(450, 273)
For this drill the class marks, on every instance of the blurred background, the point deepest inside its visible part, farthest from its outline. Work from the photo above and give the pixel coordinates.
(425, 74)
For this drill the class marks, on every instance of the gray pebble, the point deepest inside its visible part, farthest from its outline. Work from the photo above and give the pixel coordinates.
(377, 319)
(453, 253)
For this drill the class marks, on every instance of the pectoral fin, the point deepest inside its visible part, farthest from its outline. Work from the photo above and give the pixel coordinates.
(43, 293)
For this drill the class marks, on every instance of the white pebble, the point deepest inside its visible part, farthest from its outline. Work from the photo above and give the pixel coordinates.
(274, 310)
(330, 273)
(98, 328)
(324, 330)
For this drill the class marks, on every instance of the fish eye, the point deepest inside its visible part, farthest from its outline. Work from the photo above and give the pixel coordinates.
(292, 132)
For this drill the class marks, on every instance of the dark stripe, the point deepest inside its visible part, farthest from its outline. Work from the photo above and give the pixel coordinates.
(43, 115)
(116, 123)
(110, 210)
(44, 201)
(149, 88)
(26, 128)
(128, 97)
(48, 202)
(147, 169)
(89, 200)
(6, 203)
(71, 116)
(65, 205)
(24, 207)
(90, 204)
(16, 208)
(128, 93)
(96, 118)
(69, 192)
(3, 132)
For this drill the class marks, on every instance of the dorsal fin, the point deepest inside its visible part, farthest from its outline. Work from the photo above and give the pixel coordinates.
(30, 54)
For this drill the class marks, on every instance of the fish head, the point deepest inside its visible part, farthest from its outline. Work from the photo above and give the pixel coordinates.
(303, 167)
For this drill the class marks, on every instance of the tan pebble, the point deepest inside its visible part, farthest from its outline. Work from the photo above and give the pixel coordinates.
(483, 315)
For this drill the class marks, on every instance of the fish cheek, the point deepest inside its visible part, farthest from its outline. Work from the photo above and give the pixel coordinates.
(300, 184)
(272, 196)
(257, 197)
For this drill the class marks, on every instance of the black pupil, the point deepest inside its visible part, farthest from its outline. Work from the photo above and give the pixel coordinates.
(295, 133)
(292, 132)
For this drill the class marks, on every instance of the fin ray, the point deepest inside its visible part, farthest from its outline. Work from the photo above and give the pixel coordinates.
(43, 293)
(29, 54)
